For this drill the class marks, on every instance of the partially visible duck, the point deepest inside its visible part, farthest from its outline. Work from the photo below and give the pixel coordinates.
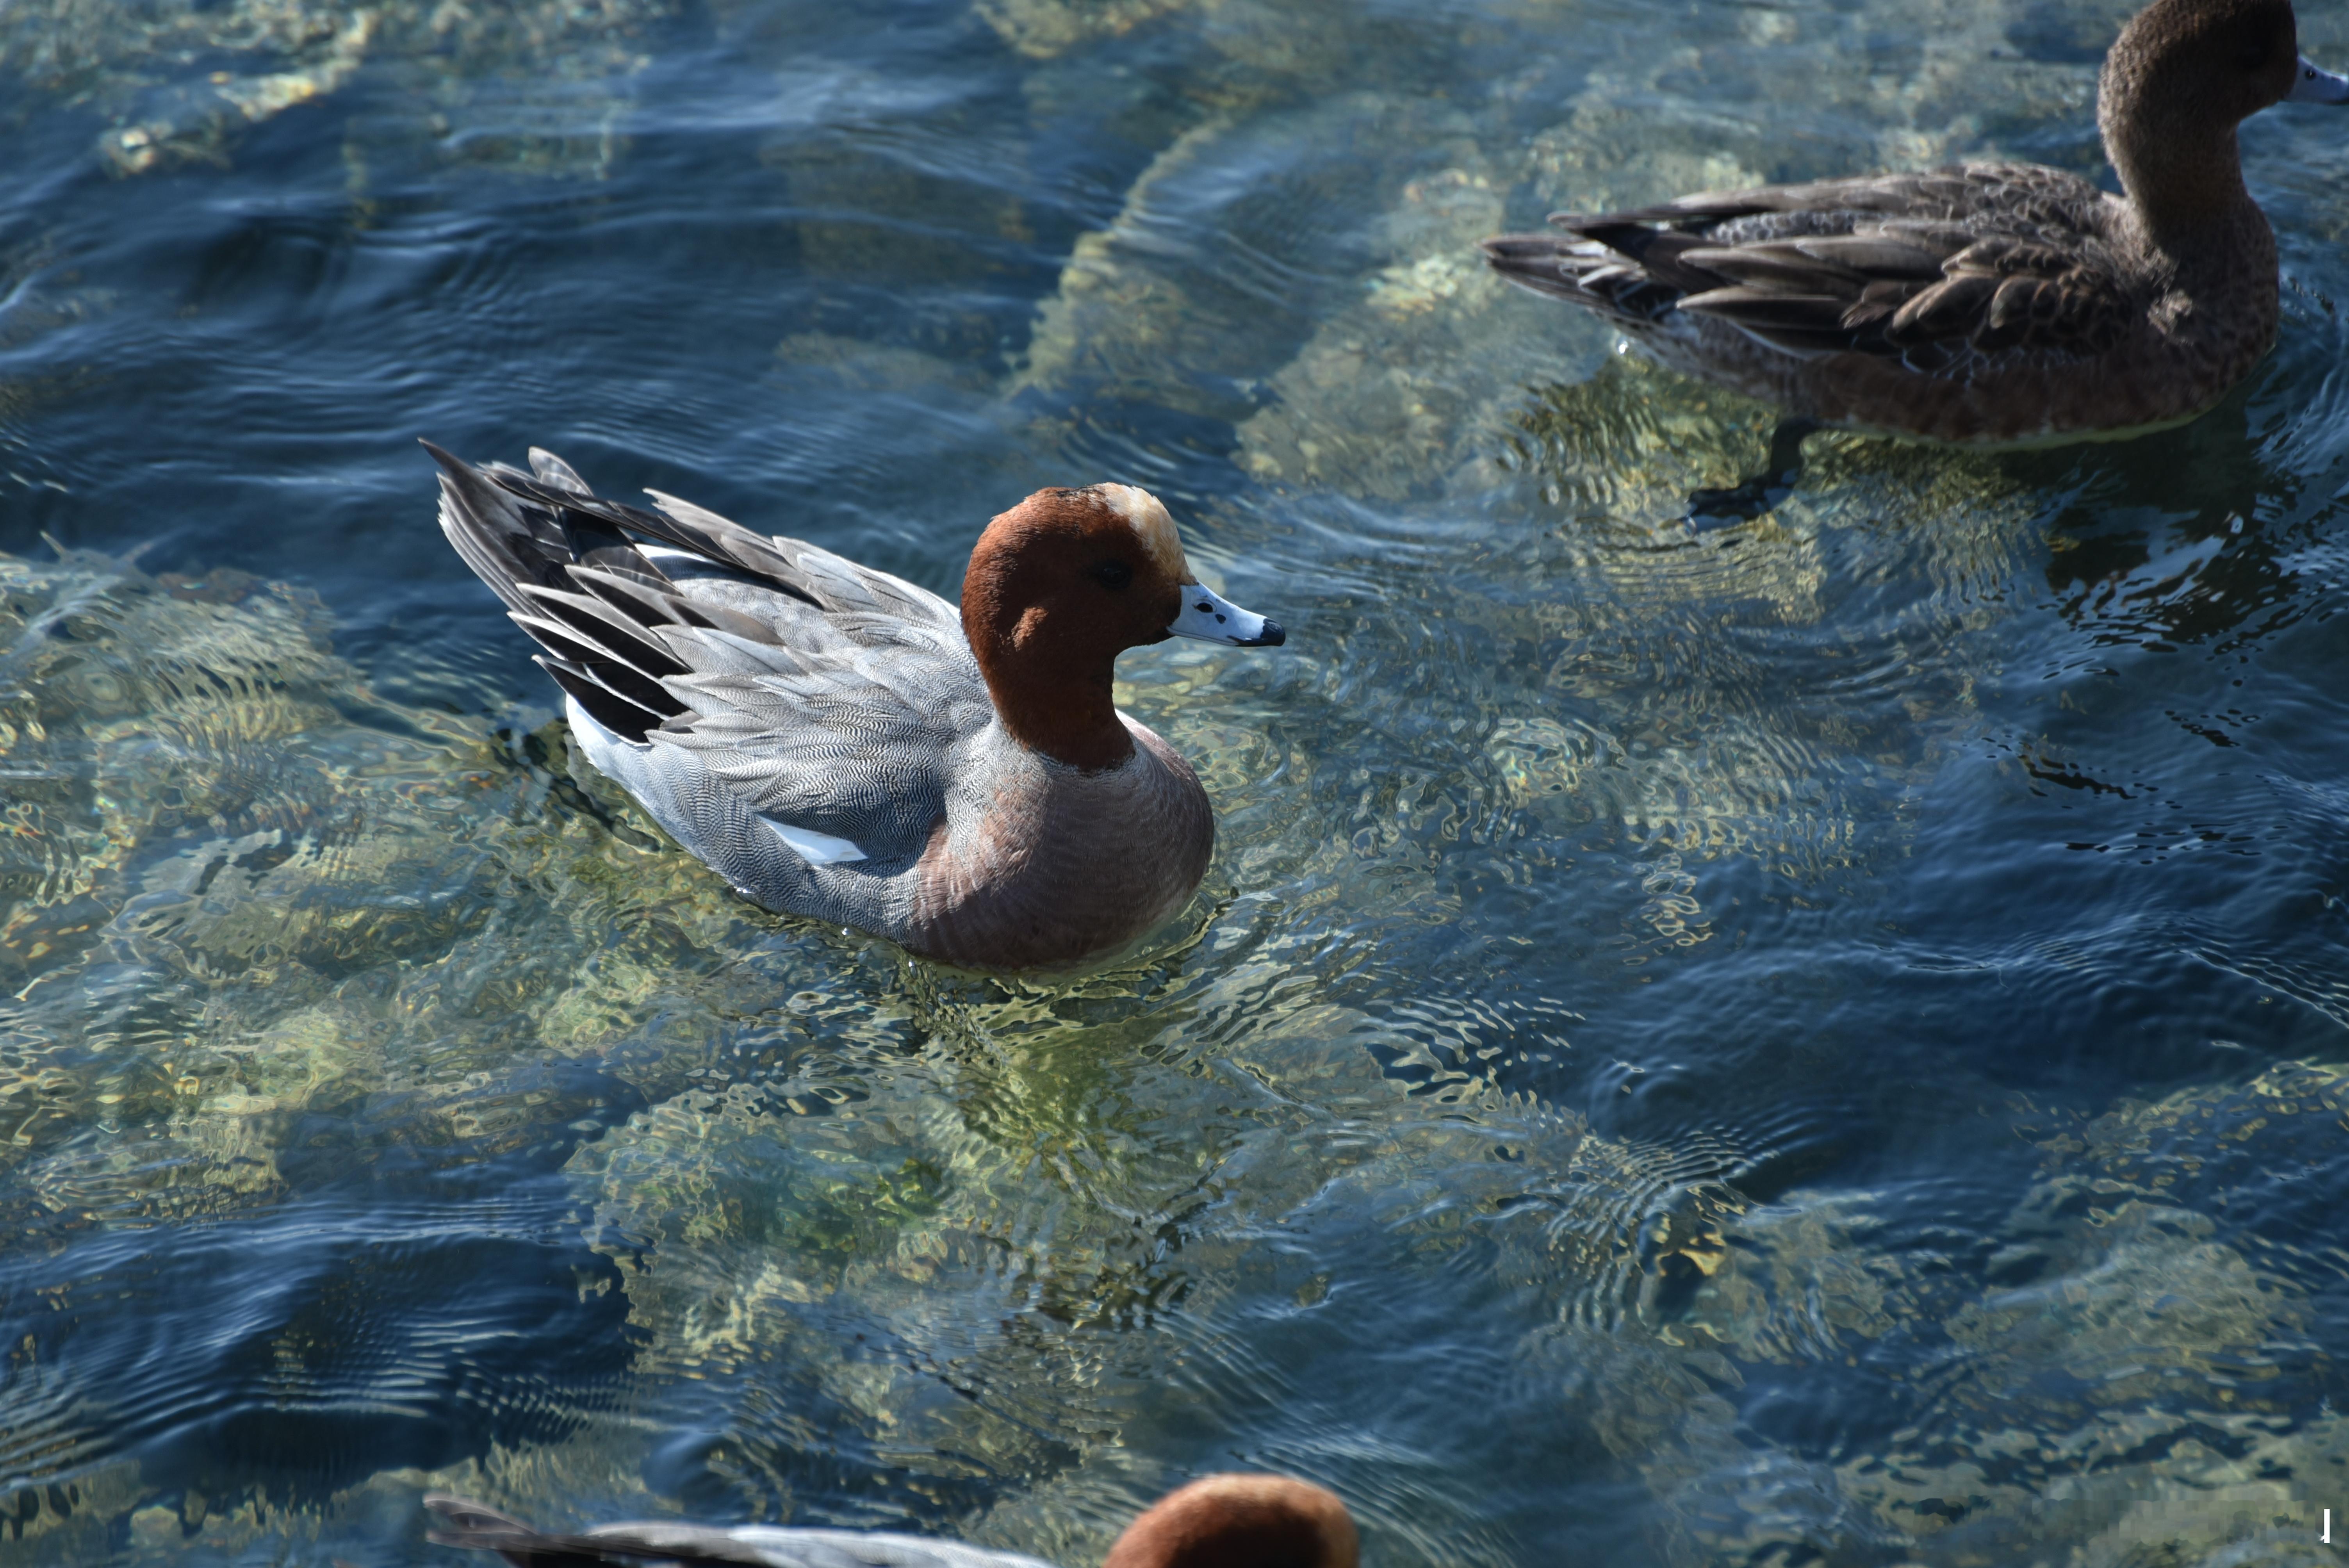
(838, 743)
(1983, 301)
(1220, 1522)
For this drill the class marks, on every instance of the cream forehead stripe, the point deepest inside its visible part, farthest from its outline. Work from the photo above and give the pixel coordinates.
(1147, 517)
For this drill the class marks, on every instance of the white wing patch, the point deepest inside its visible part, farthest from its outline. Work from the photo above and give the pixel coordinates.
(816, 848)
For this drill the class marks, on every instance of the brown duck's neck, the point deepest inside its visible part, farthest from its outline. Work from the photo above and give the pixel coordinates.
(2190, 196)
(1065, 712)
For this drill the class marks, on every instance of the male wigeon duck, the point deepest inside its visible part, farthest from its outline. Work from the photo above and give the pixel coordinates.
(838, 743)
(1220, 1522)
(1980, 302)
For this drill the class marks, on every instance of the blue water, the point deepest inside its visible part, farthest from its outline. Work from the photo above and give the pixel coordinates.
(1818, 1041)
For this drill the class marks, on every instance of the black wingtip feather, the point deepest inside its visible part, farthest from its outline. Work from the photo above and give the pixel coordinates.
(1533, 262)
(465, 1524)
(617, 711)
(524, 537)
(1637, 241)
(474, 1526)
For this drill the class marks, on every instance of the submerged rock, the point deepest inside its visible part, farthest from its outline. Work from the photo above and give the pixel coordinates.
(2136, 1374)
(238, 881)
(182, 79)
(1044, 28)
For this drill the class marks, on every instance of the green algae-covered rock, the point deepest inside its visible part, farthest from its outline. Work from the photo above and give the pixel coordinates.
(180, 80)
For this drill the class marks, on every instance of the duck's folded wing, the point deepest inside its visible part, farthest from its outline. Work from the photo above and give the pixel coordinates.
(827, 695)
(464, 1523)
(854, 744)
(837, 585)
(1928, 268)
(868, 603)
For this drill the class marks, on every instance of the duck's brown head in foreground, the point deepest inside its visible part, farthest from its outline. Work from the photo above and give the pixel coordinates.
(1063, 583)
(2180, 77)
(1241, 1521)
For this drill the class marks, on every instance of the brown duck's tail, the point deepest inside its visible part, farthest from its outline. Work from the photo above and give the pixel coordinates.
(1588, 269)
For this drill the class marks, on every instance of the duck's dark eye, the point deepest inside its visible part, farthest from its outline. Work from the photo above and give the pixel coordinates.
(1113, 575)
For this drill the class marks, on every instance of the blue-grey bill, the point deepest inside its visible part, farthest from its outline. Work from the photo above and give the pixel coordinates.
(2310, 85)
(1212, 618)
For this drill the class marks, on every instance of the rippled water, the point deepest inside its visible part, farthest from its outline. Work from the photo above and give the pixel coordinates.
(1821, 1041)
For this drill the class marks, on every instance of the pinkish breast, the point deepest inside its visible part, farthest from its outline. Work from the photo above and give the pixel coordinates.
(1044, 865)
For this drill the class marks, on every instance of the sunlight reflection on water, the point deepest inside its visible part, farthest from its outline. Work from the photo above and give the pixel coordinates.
(1813, 1041)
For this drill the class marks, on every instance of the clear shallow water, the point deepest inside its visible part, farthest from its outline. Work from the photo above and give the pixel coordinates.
(1822, 1042)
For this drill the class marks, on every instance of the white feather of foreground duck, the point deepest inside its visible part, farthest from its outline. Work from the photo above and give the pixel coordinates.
(1262, 1520)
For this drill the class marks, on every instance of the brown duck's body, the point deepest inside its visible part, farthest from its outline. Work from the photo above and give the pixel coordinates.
(1982, 303)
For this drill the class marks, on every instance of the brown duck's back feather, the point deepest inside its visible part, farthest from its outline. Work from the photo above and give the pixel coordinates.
(1990, 256)
(1975, 302)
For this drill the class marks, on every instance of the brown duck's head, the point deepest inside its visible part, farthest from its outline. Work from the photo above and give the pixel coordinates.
(1241, 1521)
(2180, 77)
(1063, 583)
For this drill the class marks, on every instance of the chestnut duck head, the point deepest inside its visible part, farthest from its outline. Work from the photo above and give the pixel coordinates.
(1241, 1521)
(1063, 583)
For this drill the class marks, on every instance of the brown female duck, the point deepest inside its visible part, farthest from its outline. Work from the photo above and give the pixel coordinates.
(1983, 302)
(1219, 1521)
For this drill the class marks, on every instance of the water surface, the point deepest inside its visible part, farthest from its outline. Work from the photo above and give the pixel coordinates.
(1819, 1041)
